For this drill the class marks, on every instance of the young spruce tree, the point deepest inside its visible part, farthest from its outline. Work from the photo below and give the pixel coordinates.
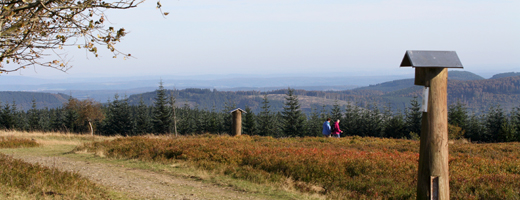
(250, 122)
(266, 123)
(161, 113)
(293, 118)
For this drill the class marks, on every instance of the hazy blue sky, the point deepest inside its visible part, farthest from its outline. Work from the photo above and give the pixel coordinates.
(297, 37)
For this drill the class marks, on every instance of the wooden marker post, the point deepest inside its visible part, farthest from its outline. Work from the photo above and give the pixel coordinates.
(236, 126)
(431, 71)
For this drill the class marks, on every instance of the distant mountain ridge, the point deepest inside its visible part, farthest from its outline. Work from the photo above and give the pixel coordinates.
(504, 75)
(478, 93)
(23, 100)
(396, 85)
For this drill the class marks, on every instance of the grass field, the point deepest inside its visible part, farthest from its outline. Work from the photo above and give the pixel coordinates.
(351, 167)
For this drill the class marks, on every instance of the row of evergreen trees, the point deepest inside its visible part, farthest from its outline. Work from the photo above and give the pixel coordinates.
(118, 117)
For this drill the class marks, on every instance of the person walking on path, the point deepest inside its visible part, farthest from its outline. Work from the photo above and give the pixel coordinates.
(336, 131)
(326, 128)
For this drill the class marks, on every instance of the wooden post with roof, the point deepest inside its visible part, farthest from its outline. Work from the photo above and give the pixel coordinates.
(431, 71)
(236, 125)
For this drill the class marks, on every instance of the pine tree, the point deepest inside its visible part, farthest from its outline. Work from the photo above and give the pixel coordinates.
(161, 114)
(71, 115)
(494, 120)
(187, 121)
(396, 127)
(413, 117)
(293, 118)
(8, 122)
(474, 128)
(507, 132)
(7, 116)
(314, 124)
(119, 120)
(515, 122)
(352, 121)
(457, 115)
(142, 119)
(214, 121)
(250, 122)
(372, 122)
(266, 121)
(335, 113)
(34, 118)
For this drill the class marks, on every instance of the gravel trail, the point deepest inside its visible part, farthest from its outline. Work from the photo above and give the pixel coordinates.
(138, 183)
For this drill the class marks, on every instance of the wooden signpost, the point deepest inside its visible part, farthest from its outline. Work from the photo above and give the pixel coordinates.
(236, 126)
(432, 73)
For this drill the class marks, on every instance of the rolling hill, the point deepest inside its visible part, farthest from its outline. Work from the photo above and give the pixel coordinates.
(23, 100)
(478, 93)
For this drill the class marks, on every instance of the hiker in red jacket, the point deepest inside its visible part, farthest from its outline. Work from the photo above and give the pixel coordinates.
(336, 131)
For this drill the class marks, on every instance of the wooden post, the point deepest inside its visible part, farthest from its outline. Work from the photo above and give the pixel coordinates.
(237, 123)
(433, 175)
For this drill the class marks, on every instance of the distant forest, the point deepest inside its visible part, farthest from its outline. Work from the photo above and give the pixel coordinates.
(476, 93)
(120, 117)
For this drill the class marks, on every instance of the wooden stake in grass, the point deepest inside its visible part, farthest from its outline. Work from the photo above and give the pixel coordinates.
(236, 126)
(431, 71)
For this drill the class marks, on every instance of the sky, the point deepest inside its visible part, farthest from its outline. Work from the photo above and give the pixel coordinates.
(301, 37)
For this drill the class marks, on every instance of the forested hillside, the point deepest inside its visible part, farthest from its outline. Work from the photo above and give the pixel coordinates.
(477, 93)
(23, 100)
(504, 75)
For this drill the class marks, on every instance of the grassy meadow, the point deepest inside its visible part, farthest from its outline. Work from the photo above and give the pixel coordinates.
(346, 168)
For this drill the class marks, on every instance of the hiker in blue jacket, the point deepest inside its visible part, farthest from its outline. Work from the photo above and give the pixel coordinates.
(326, 128)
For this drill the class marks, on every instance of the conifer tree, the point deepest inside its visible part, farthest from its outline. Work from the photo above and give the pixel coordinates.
(214, 121)
(457, 115)
(161, 114)
(335, 113)
(494, 120)
(142, 119)
(187, 122)
(293, 118)
(515, 122)
(396, 127)
(475, 128)
(352, 121)
(372, 122)
(413, 117)
(314, 124)
(507, 132)
(119, 120)
(266, 120)
(34, 118)
(250, 122)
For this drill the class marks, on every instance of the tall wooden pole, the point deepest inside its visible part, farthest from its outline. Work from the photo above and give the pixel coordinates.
(433, 175)
(237, 123)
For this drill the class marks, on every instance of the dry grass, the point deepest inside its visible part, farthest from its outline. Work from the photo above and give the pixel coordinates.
(55, 138)
(20, 180)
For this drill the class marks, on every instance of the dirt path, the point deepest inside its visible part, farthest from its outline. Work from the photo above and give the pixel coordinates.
(140, 184)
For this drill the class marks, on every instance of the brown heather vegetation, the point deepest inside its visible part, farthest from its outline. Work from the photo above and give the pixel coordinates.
(346, 168)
